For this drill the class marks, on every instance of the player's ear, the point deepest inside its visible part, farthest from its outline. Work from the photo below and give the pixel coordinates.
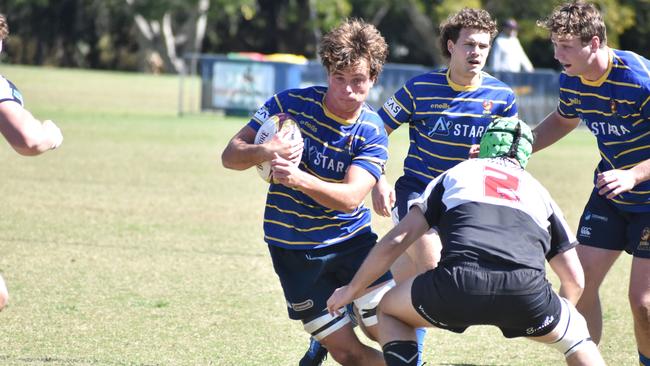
(450, 45)
(594, 44)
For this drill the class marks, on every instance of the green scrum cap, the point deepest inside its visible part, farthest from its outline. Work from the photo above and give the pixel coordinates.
(507, 137)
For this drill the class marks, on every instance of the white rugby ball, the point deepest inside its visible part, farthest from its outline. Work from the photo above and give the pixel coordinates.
(270, 127)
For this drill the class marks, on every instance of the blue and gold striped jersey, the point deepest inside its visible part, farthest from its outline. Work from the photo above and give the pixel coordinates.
(294, 220)
(616, 108)
(445, 119)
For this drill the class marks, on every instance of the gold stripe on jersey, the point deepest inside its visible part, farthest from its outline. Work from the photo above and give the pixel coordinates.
(638, 122)
(620, 83)
(594, 111)
(327, 146)
(391, 116)
(403, 106)
(430, 177)
(299, 214)
(509, 107)
(440, 156)
(306, 99)
(372, 125)
(277, 101)
(644, 102)
(582, 94)
(627, 141)
(302, 203)
(606, 159)
(267, 238)
(625, 152)
(317, 121)
(479, 100)
(331, 180)
(630, 203)
(451, 114)
(379, 146)
(345, 237)
(293, 227)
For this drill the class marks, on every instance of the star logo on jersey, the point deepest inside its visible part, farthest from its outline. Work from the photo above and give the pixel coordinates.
(644, 244)
(487, 106)
(440, 127)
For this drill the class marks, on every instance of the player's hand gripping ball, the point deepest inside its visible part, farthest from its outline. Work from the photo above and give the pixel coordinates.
(283, 124)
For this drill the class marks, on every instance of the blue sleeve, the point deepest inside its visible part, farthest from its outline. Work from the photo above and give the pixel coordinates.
(565, 107)
(372, 153)
(398, 109)
(272, 106)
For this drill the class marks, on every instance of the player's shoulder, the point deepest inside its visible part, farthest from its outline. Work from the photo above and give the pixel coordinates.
(433, 77)
(371, 119)
(633, 66)
(492, 82)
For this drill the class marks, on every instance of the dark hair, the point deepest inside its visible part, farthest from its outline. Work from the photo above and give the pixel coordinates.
(4, 27)
(349, 43)
(576, 18)
(466, 18)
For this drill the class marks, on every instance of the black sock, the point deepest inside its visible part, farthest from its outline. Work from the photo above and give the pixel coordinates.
(401, 353)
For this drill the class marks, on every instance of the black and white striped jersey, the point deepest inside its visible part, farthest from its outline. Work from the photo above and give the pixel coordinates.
(491, 211)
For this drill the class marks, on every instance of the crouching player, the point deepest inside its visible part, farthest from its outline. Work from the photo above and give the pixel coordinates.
(497, 225)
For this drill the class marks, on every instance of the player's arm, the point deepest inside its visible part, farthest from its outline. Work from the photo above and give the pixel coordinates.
(345, 196)
(551, 129)
(567, 267)
(27, 135)
(383, 194)
(613, 182)
(241, 152)
(380, 258)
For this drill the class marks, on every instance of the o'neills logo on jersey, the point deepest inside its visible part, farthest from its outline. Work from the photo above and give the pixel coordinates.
(487, 106)
(440, 105)
(574, 101)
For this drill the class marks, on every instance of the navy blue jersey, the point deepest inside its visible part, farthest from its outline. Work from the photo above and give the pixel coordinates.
(616, 109)
(445, 119)
(9, 92)
(294, 220)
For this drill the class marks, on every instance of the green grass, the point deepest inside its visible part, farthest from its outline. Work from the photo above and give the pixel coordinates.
(132, 245)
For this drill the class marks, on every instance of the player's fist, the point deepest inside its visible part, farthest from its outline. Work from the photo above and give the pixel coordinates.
(54, 133)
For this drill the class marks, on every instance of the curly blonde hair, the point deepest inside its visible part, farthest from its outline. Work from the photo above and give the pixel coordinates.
(578, 19)
(466, 18)
(349, 43)
(4, 27)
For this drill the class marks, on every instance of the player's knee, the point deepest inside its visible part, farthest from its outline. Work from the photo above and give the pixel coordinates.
(368, 303)
(344, 355)
(640, 304)
(572, 331)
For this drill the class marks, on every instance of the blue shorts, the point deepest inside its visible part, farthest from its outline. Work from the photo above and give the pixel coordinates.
(605, 226)
(406, 189)
(309, 277)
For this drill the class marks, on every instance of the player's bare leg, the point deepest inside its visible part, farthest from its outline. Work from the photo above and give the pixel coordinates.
(596, 262)
(346, 349)
(571, 337)
(420, 257)
(4, 294)
(639, 295)
(398, 321)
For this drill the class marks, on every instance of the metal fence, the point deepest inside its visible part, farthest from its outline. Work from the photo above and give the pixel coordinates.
(240, 86)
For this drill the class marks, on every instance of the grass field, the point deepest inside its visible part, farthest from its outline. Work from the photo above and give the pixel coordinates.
(132, 245)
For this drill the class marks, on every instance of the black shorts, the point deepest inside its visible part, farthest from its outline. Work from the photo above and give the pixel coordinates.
(309, 277)
(520, 302)
(605, 226)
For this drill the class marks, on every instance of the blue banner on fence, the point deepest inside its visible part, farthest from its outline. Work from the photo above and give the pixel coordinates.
(240, 86)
